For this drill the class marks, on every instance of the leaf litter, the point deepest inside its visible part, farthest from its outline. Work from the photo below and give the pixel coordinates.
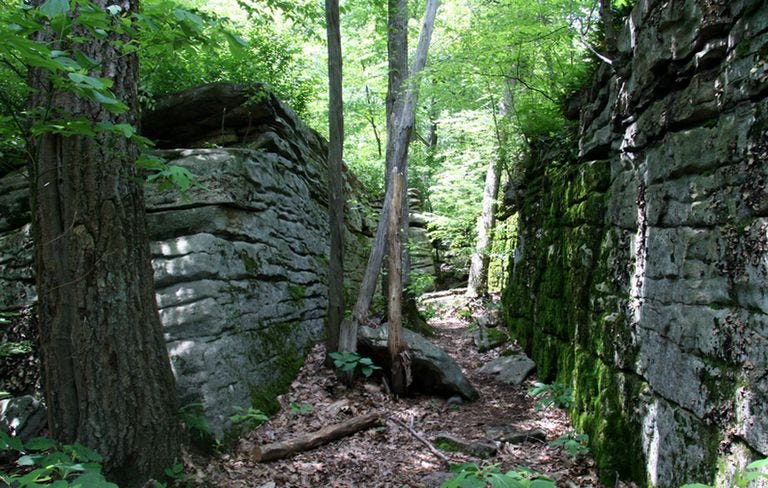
(390, 455)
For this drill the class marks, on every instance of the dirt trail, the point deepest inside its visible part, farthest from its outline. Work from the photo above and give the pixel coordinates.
(389, 456)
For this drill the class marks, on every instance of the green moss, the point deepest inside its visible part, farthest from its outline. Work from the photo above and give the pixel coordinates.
(448, 446)
(251, 265)
(743, 48)
(297, 292)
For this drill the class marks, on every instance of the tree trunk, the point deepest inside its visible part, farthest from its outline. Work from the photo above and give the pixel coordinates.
(477, 285)
(400, 144)
(397, 58)
(335, 184)
(609, 31)
(395, 341)
(107, 375)
(478, 270)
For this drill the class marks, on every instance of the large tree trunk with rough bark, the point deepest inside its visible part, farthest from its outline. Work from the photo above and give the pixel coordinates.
(335, 185)
(108, 379)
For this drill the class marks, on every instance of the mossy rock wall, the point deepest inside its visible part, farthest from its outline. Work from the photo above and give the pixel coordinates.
(641, 273)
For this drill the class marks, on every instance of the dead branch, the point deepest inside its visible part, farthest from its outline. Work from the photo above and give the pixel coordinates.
(446, 461)
(305, 442)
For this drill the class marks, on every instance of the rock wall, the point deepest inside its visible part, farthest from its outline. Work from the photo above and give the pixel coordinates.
(641, 274)
(240, 266)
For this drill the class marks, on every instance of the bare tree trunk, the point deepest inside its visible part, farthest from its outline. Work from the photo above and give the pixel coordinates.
(395, 341)
(399, 153)
(108, 379)
(335, 184)
(478, 270)
(477, 285)
(397, 57)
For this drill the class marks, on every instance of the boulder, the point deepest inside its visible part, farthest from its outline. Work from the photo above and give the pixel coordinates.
(509, 369)
(487, 339)
(434, 371)
(24, 417)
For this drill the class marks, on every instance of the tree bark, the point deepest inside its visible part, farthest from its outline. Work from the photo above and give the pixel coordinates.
(304, 442)
(397, 58)
(108, 379)
(609, 31)
(477, 284)
(395, 341)
(335, 184)
(400, 144)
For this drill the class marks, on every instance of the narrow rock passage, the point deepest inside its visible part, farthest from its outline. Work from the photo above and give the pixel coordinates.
(390, 456)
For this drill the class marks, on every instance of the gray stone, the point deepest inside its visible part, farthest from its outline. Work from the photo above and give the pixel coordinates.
(434, 371)
(240, 266)
(481, 449)
(509, 369)
(511, 435)
(487, 339)
(24, 417)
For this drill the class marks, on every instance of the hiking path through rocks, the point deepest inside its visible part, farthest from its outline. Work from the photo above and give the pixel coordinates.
(389, 455)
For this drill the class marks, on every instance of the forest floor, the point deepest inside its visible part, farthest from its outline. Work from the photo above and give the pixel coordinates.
(389, 455)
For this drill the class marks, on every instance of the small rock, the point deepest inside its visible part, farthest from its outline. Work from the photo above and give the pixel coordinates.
(510, 435)
(451, 442)
(454, 400)
(510, 369)
(435, 480)
(486, 339)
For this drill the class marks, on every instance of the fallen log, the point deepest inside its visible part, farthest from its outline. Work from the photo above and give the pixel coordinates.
(310, 440)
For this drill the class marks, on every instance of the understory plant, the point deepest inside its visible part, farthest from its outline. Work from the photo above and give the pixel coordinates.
(574, 443)
(471, 475)
(45, 462)
(552, 395)
(351, 363)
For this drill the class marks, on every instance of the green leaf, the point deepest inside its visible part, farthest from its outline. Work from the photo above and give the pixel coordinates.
(40, 444)
(760, 463)
(91, 480)
(54, 8)
(81, 453)
(7, 441)
(89, 81)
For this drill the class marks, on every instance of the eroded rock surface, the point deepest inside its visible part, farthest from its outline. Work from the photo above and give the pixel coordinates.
(642, 269)
(240, 268)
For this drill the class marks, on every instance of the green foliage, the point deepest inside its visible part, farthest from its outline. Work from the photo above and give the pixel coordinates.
(351, 362)
(223, 50)
(552, 395)
(420, 283)
(197, 427)
(470, 475)
(574, 443)
(70, 70)
(249, 418)
(14, 348)
(742, 478)
(45, 462)
(301, 409)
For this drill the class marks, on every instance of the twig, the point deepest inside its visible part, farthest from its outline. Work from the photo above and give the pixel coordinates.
(447, 462)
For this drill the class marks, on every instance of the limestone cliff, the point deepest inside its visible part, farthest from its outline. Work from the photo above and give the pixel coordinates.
(240, 267)
(641, 274)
